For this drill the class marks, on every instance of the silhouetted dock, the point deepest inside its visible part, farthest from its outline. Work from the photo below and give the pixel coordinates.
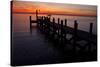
(58, 31)
(53, 42)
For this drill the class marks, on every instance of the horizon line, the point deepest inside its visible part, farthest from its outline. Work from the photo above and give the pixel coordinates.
(54, 14)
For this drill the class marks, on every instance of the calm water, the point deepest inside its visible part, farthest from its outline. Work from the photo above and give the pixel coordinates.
(21, 22)
(34, 48)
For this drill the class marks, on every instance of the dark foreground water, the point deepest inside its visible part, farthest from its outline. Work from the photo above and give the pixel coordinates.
(33, 48)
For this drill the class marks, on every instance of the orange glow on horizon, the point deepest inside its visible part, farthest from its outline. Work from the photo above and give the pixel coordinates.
(30, 7)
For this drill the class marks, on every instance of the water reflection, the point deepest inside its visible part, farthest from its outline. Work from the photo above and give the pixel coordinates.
(21, 22)
(31, 47)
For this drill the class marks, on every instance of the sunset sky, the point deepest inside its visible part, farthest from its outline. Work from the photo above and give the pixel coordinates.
(53, 8)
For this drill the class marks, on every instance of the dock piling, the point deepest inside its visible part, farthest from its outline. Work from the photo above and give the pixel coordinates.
(75, 35)
(57, 32)
(90, 36)
(30, 24)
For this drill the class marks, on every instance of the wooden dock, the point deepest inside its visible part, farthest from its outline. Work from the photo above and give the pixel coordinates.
(58, 33)
(53, 42)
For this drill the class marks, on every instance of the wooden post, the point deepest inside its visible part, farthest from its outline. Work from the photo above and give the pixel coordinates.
(75, 27)
(30, 21)
(61, 31)
(53, 28)
(90, 36)
(58, 20)
(40, 23)
(75, 34)
(30, 25)
(65, 22)
(65, 33)
(43, 23)
(53, 22)
(91, 27)
(58, 28)
(48, 25)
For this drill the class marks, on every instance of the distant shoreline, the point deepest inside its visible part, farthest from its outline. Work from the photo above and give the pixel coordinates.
(53, 14)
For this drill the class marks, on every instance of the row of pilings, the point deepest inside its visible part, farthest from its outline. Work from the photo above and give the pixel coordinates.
(57, 32)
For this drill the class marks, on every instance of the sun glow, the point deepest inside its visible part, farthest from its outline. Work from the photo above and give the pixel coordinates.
(54, 8)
